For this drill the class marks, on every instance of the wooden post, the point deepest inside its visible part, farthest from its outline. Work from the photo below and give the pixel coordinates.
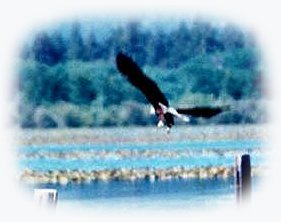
(46, 197)
(246, 179)
(237, 179)
(243, 180)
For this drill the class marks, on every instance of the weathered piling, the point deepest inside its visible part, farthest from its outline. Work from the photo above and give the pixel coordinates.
(246, 179)
(46, 197)
(238, 179)
(243, 179)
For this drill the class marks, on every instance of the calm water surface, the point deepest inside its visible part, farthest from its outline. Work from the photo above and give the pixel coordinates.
(144, 193)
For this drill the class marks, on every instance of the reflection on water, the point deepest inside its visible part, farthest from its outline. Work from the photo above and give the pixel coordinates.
(170, 193)
(176, 193)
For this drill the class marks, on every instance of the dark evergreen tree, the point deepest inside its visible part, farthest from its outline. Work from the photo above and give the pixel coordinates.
(92, 48)
(76, 47)
(43, 49)
(182, 48)
(59, 47)
(136, 42)
(159, 50)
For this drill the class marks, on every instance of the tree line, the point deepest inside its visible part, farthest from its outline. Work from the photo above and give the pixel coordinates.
(68, 78)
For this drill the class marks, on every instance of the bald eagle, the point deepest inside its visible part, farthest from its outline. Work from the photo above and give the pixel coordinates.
(133, 73)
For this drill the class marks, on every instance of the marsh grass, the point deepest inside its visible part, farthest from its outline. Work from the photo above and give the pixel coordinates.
(29, 137)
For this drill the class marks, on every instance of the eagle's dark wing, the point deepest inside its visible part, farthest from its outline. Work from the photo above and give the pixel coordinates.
(135, 76)
(206, 112)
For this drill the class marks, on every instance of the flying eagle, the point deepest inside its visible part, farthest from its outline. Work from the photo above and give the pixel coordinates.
(133, 73)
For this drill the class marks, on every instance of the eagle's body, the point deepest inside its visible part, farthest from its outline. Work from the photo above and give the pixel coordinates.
(151, 91)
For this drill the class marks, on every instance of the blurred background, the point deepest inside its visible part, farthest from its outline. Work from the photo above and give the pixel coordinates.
(67, 75)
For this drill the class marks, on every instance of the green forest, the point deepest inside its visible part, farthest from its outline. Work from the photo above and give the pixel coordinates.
(67, 77)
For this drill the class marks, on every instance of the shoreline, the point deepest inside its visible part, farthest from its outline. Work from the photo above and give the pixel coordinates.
(64, 177)
(151, 134)
(134, 135)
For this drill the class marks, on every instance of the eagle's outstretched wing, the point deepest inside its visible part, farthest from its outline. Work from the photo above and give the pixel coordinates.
(205, 112)
(136, 77)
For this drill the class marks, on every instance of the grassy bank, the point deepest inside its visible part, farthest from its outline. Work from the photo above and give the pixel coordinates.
(139, 134)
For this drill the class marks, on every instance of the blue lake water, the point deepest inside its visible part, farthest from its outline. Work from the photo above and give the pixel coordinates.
(187, 192)
(100, 164)
(139, 188)
(97, 163)
(194, 145)
(143, 194)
